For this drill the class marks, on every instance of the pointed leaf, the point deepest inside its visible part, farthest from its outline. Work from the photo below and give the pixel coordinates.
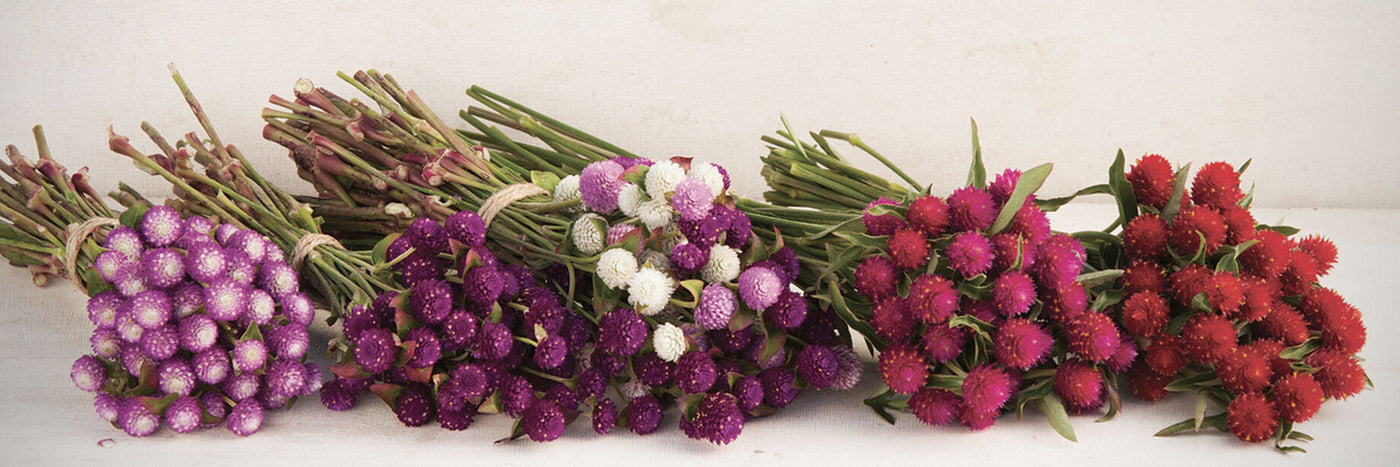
(1026, 185)
(1054, 410)
(977, 175)
(1122, 189)
(879, 402)
(1178, 190)
(544, 180)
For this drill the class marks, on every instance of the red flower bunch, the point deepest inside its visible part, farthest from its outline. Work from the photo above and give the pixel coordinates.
(1222, 305)
(967, 297)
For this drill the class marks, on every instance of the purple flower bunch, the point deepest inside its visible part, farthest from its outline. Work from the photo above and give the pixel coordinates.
(973, 301)
(194, 326)
(693, 308)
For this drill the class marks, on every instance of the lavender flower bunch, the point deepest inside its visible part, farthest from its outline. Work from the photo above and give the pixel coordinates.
(194, 325)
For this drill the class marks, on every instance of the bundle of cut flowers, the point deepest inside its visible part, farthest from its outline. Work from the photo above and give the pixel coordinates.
(652, 254)
(179, 307)
(1222, 305)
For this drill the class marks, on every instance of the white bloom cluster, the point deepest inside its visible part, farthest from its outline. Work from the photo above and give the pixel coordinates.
(656, 213)
(567, 189)
(723, 265)
(669, 342)
(709, 174)
(587, 236)
(616, 267)
(630, 199)
(649, 291)
(662, 177)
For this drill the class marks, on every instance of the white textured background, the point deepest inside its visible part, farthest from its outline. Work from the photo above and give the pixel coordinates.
(1310, 91)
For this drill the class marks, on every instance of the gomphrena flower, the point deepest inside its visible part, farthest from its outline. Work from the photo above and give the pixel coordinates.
(197, 324)
(1229, 303)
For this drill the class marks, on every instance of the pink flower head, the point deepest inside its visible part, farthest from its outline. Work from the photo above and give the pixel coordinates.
(970, 253)
(971, 209)
(883, 224)
(987, 388)
(1020, 343)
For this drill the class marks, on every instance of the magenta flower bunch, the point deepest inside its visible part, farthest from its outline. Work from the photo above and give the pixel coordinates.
(194, 325)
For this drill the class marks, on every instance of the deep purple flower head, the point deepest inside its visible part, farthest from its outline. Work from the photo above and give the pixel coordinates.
(212, 366)
(789, 312)
(760, 287)
(695, 372)
(261, 307)
(543, 421)
(466, 227)
(246, 417)
(225, 299)
(716, 306)
(788, 266)
(163, 267)
(693, 199)
(337, 395)
(289, 341)
(161, 226)
(817, 365)
(494, 341)
(550, 352)
(689, 257)
(717, 420)
(970, 253)
(748, 392)
(778, 390)
(102, 309)
(427, 349)
(89, 374)
(652, 370)
(137, 420)
(278, 279)
(482, 284)
(1059, 260)
(883, 224)
(160, 343)
(183, 415)
(516, 394)
(375, 350)
(458, 331)
(397, 248)
(740, 230)
(621, 332)
(731, 341)
(644, 414)
(313, 377)
(427, 235)
(971, 209)
(431, 301)
(414, 407)
(1013, 292)
(175, 377)
(112, 265)
(604, 416)
(420, 266)
(150, 309)
(108, 406)
(599, 184)
(1021, 343)
(451, 396)
(249, 356)
(473, 380)
(456, 421)
(987, 388)
(298, 308)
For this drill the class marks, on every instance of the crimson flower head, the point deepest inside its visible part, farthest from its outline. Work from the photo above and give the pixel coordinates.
(1145, 237)
(903, 369)
(1217, 185)
(1252, 417)
(1080, 385)
(1297, 397)
(908, 248)
(1152, 180)
(929, 214)
(1193, 224)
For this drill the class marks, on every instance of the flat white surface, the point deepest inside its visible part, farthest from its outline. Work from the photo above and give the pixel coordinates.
(48, 421)
(1309, 90)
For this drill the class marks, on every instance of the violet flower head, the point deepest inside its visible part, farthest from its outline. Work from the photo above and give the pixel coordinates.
(695, 372)
(717, 420)
(260, 309)
(494, 341)
(137, 420)
(175, 377)
(692, 199)
(716, 306)
(516, 394)
(225, 231)
(652, 370)
(749, 393)
(111, 265)
(427, 235)
(161, 226)
(431, 301)
(760, 287)
(212, 366)
(150, 309)
(375, 350)
(213, 403)
(473, 380)
(740, 230)
(289, 341)
(599, 184)
(778, 389)
(970, 253)
(543, 421)
(246, 417)
(162, 267)
(458, 331)
(550, 352)
(186, 298)
(106, 343)
(621, 332)
(108, 406)
(397, 248)
(248, 242)
(482, 284)
(125, 240)
(278, 279)
(337, 395)
(817, 365)
(689, 257)
(466, 227)
(298, 308)
(414, 407)
(249, 356)
(225, 299)
(160, 343)
(848, 368)
(183, 415)
(89, 374)
(241, 268)
(102, 309)
(420, 266)
(644, 414)
(788, 266)
(427, 349)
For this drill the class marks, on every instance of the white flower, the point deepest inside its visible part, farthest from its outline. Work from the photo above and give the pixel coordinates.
(630, 199)
(587, 237)
(567, 189)
(655, 260)
(656, 213)
(616, 267)
(634, 388)
(795, 289)
(649, 291)
(669, 342)
(709, 174)
(663, 177)
(723, 265)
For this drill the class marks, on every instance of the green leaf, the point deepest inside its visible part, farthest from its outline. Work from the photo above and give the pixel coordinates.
(1202, 399)
(1178, 190)
(694, 286)
(977, 175)
(157, 405)
(775, 342)
(381, 249)
(251, 334)
(132, 216)
(1053, 204)
(982, 328)
(838, 303)
(1217, 421)
(1122, 189)
(1054, 410)
(1095, 278)
(1287, 231)
(897, 209)
(1297, 352)
(1027, 184)
(951, 383)
(93, 282)
(1192, 383)
(879, 402)
(1115, 402)
(544, 180)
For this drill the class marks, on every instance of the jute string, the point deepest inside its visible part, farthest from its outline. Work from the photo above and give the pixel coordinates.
(505, 197)
(74, 243)
(307, 244)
